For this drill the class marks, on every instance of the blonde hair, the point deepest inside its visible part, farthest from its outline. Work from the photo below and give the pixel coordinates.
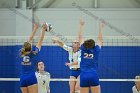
(137, 77)
(25, 48)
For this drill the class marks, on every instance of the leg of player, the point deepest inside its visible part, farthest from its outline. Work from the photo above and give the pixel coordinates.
(24, 90)
(72, 85)
(84, 90)
(33, 88)
(95, 89)
(77, 86)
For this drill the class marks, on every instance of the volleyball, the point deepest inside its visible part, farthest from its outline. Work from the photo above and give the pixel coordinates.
(49, 27)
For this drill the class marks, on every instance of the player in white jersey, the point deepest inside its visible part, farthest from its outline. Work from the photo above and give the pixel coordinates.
(43, 78)
(74, 54)
(136, 88)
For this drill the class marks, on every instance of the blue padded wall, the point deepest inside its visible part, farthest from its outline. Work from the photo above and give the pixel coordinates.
(115, 62)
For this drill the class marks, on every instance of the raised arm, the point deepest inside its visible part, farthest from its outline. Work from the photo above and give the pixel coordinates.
(61, 44)
(33, 33)
(39, 44)
(80, 33)
(100, 36)
(58, 41)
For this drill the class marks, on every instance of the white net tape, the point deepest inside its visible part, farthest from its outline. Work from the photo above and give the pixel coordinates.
(58, 79)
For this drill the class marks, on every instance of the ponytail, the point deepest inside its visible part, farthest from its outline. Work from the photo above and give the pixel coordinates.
(25, 48)
(22, 51)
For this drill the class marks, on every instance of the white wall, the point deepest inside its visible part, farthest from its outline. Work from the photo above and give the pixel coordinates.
(100, 3)
(15, 23)
(68, 3)
(119, 3)
(83, 3)
(24, 22)
(7, 3)
(66, 21)
(7, 22)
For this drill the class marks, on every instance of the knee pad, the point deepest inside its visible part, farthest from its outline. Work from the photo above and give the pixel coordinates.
(78, 91)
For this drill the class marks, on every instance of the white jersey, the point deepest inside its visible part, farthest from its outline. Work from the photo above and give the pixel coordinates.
(43, 82)
(73, 57)
(134, 89)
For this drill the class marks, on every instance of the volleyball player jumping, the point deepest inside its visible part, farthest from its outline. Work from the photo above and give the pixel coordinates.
(88, 64)
(74, 53)
(28, 81)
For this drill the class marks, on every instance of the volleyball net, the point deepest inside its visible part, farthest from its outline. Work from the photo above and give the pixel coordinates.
(119, 63)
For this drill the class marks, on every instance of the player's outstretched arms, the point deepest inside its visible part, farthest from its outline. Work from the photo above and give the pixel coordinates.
(39, 44)
(33, 32)
(80, 33)
(100, 36)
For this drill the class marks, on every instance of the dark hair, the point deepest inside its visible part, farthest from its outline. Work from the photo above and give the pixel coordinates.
(37, 66)
(90, 43)
(25, 48)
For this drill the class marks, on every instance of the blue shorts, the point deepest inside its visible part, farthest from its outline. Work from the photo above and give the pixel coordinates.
(89, 79)
(75, 73)
(28, 80)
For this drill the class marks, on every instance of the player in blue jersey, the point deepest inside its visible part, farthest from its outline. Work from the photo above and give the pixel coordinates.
(89, 79)
(28, 81)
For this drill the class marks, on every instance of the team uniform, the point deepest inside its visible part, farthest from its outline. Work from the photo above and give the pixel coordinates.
(28, 62)
(43, 82)
(135, 90)
(88, 66)
(73, 57)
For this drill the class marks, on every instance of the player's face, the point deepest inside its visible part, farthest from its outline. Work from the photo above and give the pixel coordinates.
(75, 45)
(41, 66)
(137, 82)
